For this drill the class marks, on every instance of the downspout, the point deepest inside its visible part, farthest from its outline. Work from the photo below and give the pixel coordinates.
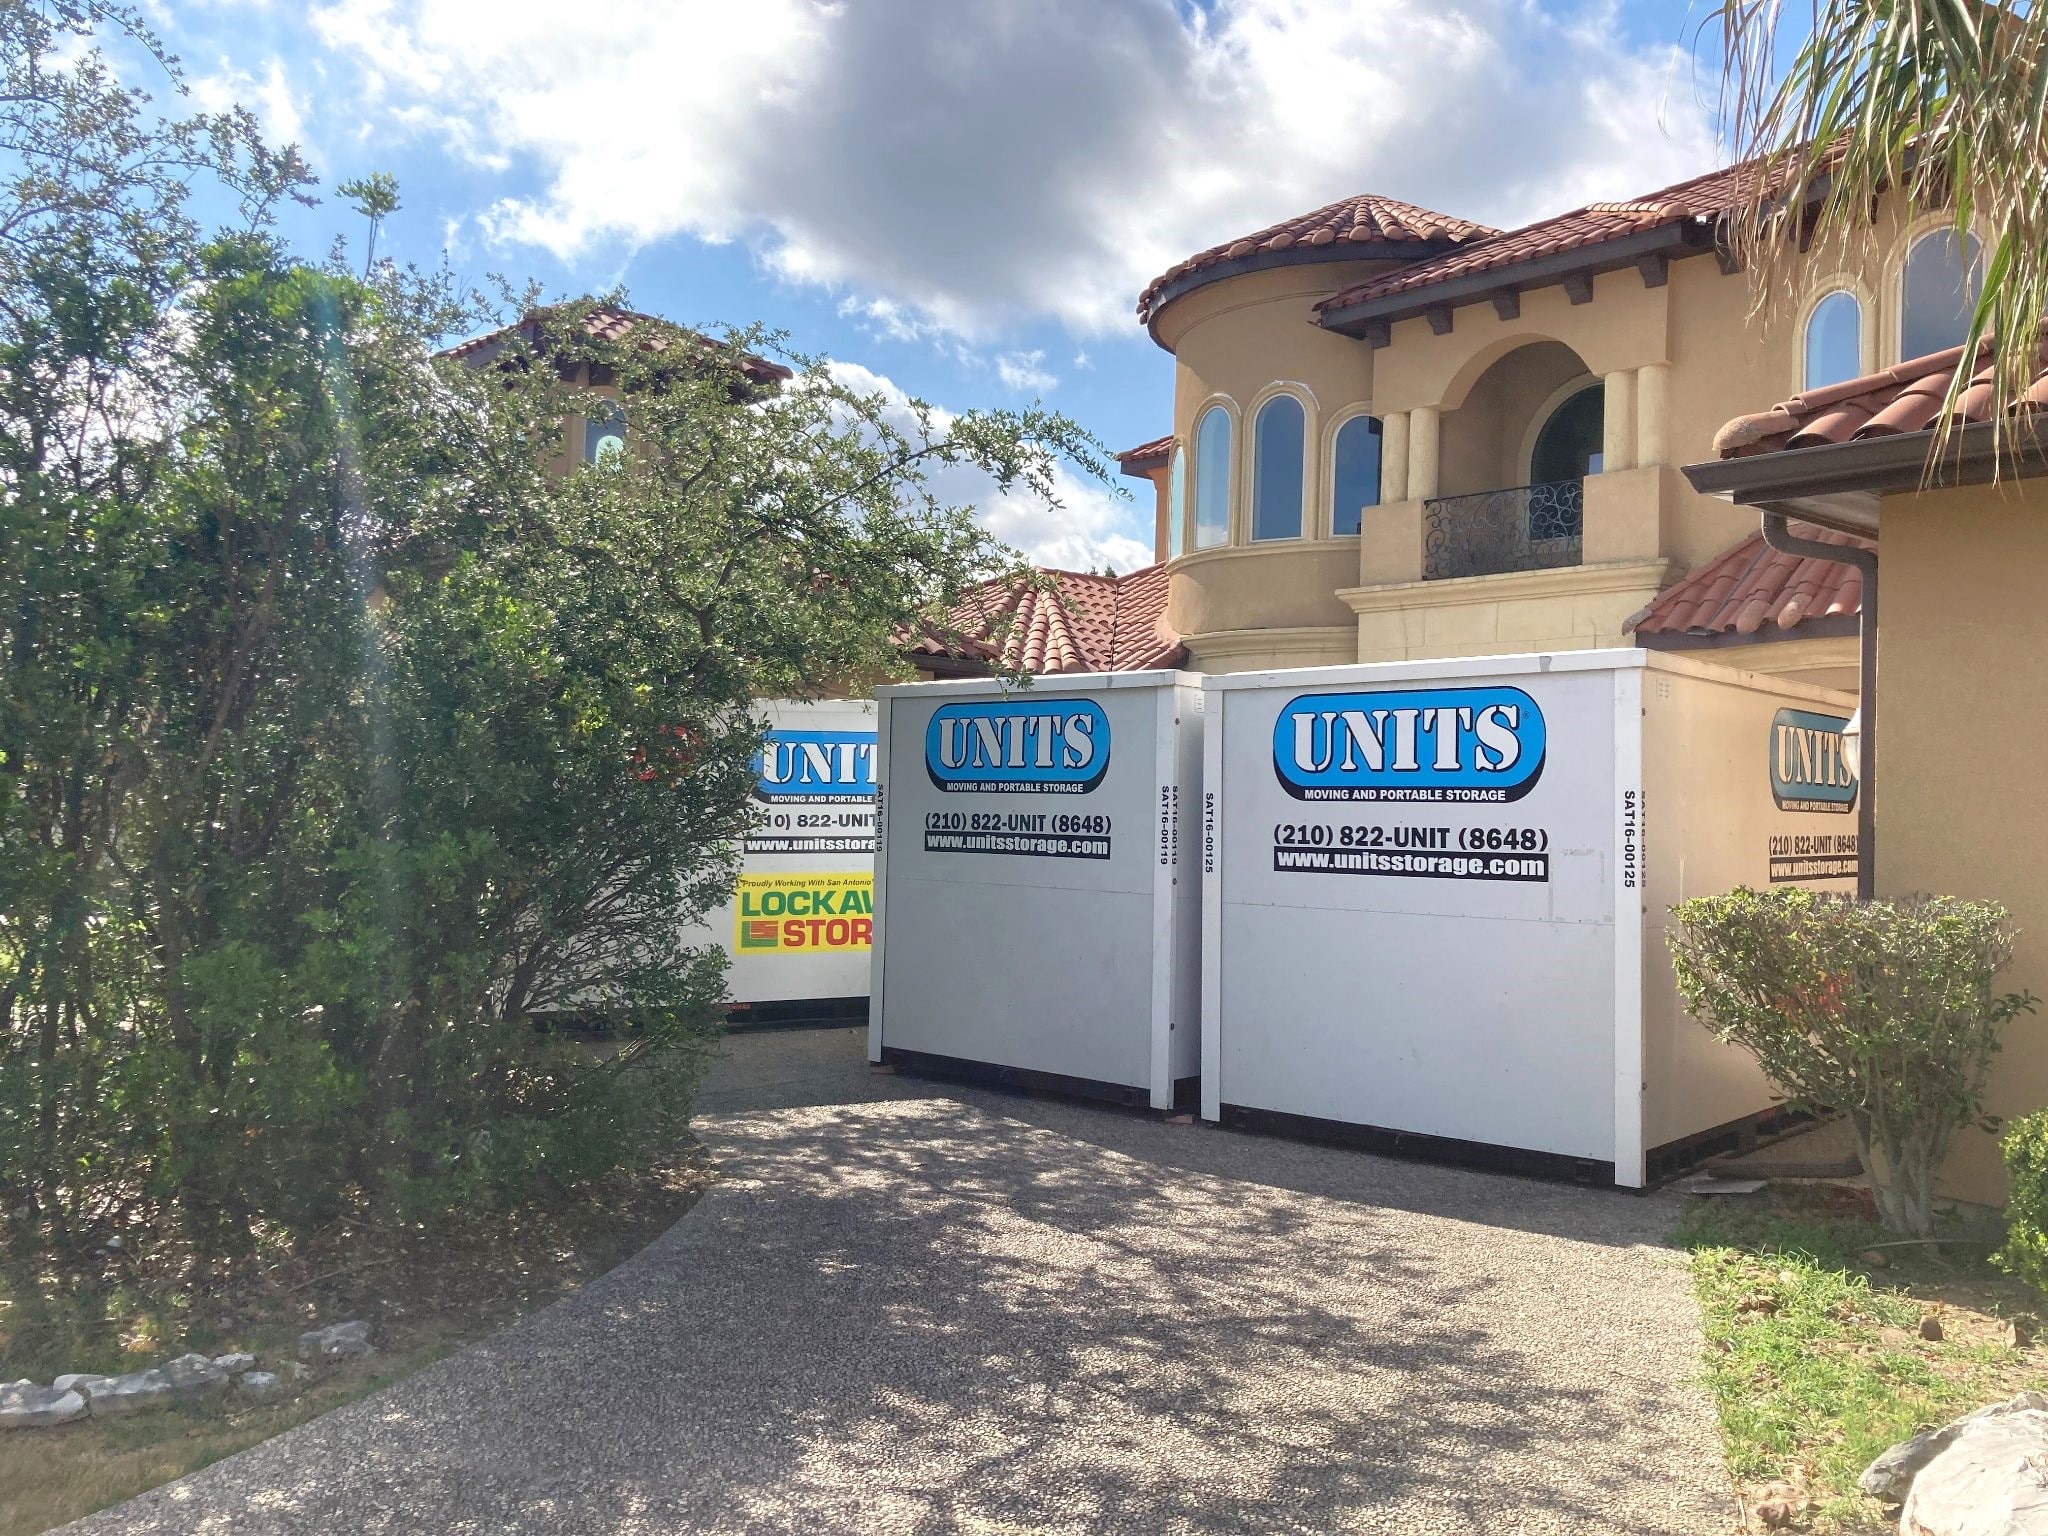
(1780, 537)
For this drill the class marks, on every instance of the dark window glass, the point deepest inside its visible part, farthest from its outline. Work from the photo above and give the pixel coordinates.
(1355, 479)
(1276, 469)
(1212, 478)
(1568, 447)
(1943, 278)
(1834, 341)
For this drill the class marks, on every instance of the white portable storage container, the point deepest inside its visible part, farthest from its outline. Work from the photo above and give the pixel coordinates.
(799, 925)
(1436, 897)
(1034, 921)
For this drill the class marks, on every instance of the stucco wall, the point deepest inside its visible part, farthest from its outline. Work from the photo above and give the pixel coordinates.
(1960, 770)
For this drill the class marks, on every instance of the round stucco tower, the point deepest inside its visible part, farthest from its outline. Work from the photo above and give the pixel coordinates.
(1256, 527)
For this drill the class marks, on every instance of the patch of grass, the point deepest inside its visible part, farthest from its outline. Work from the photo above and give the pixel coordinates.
(425, 1291)
(1814, 1354)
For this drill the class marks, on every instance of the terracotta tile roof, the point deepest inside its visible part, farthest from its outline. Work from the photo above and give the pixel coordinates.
(1702, 197)
(1905, 398)
(1367, 219)
(1750, 588)
(1080, 623)
(1146, 456)
(603, 325)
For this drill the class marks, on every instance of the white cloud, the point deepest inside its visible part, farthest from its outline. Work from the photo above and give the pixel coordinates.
(270, 96)
(1090, 527)
(1025, 372)
(973, 166)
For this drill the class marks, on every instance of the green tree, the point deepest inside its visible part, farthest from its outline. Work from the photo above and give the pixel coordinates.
(1940, 103)
(342, 745)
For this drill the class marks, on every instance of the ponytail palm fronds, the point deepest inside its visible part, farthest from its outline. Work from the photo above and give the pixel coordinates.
(1939, 104)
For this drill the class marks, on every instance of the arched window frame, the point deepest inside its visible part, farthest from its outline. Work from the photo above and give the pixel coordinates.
(1326, 502)
(1248, 476)
(1177, 528)
(1541, 419)
(1895, 283)
(1866, 327)
(1233, 474)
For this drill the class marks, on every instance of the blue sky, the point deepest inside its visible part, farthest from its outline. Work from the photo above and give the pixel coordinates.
(958, 199)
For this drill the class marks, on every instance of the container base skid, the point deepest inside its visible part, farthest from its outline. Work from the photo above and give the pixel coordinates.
(1186, 1090)
(1664, 1163)
(802, 1013)
(1421, 1148)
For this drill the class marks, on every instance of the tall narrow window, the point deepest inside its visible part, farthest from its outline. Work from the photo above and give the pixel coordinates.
(1276, 469)
(1938, 293)
(1834, 341)
(1177, 505)
(604, 432)
(1355, 478)
(1212, 478)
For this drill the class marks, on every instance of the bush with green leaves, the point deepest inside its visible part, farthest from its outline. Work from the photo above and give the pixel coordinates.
(342, 743)
(1883, 1011)
(2026, 1213)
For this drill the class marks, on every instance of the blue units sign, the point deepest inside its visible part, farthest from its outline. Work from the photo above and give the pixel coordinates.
(814, 767)
(1808, 769)
(1018, 746)
(1475, 745)
(817, 791)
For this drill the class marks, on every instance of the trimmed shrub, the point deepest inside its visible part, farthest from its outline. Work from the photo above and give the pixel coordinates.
(1883, 1011)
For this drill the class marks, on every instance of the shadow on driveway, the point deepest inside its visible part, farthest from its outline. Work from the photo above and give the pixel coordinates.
(945, 1311)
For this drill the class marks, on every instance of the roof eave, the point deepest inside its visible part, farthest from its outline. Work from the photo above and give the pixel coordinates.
(1839, 485)
(1687, 238)
(1403, 251)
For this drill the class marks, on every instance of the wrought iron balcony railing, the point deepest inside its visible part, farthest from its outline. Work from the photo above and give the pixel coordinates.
(1526, 528)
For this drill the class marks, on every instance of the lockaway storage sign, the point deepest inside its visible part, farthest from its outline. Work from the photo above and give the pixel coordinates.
(799, 926)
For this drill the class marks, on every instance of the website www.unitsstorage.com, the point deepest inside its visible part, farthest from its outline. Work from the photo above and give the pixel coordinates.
(1044, 845)
(1432, 866)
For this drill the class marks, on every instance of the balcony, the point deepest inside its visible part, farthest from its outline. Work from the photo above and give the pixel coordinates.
(1524, 528)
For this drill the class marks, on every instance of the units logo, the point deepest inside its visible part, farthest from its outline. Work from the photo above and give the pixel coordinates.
(1018, 746)
(1809, 771)
(1462, 744)
(804, 914)
(810, 767)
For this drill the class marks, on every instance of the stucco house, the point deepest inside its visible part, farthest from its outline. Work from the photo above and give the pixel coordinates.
(1962, 546)
(1401, 434)
(1397, 434)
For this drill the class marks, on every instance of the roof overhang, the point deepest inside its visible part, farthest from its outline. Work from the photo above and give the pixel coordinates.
(1841, 485)
(1403, 251)
(1370, 319)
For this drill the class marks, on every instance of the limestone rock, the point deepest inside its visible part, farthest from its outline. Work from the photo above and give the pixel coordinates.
(234, 1364)
(335, 1341)
(1990, 1480)
(260, 1385)
(80, 1381)
(24, 1405)
(187, 1377)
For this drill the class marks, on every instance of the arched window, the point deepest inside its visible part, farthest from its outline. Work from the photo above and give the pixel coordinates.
(1355, 477)
(1568, 447)
(1938, 292)
(1277, 447)
(1834, 341)
(1212, 478)
(1177, 504)
(604, 432)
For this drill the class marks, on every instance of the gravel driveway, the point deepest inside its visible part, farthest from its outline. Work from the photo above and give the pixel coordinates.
(913, 1309)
